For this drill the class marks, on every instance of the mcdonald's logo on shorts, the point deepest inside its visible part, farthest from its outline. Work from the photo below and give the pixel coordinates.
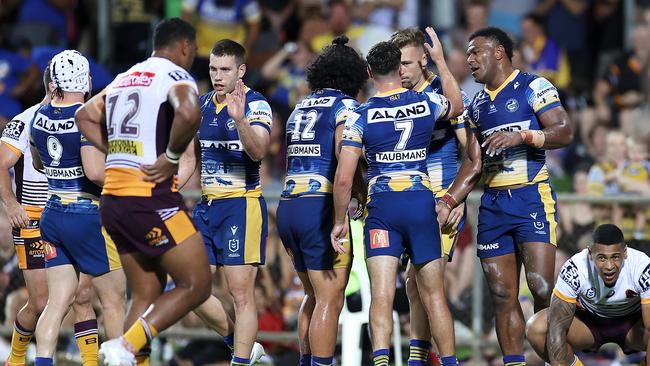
(379, 239)
(50, 251)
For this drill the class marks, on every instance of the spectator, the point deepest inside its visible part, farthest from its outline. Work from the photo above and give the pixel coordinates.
(382, 13)
(131, 22)
(566, 23)
(17, 77)
(340, 23)
(603, 176)
(238, 20)
(620, 89)
(45, 22)
(507, 14)
(542, 54)
(634, 178)
(286, 70)
(577, 221)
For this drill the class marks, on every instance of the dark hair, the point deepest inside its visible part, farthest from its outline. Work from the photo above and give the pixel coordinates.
(228, 47)
(47, 78)
(338, 67)
(172, 30)
(497, 35)
(535, 18)
(408, 37)
(607, 234)
(384, 58)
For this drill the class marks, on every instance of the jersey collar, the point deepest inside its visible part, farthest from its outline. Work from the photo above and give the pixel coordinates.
(391, 92)
(220, 106)
(493, 93)
(426, 83)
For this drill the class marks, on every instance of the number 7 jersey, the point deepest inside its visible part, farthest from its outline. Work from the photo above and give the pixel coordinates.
(138, 121)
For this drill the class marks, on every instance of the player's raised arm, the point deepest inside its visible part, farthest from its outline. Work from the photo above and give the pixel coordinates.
(450, 88)
(560, 318)
(255, 138)
(91, 120)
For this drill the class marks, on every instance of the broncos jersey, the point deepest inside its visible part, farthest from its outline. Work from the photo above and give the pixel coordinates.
(442, 158)
(31, 185)
(58, 140)
(580, 283)
(310, 138)
(514, 106)
(226, 170)
(395, 130)
(138, 121)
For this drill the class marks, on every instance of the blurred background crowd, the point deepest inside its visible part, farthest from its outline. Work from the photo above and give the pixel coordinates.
(597, 52)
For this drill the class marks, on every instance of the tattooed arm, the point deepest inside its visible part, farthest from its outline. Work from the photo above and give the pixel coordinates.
(561, 315)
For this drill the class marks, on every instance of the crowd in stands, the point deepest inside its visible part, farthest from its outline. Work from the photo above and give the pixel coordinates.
(596, 52)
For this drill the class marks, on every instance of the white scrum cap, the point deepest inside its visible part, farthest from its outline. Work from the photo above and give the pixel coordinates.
(69, 70)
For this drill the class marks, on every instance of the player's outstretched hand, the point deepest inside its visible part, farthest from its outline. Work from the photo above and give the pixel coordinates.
(17, 215)
(339, 236)
(160, 171)
(237, 102)
(435, 48)
(499, 141)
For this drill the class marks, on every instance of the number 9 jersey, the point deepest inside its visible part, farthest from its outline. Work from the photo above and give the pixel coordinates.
(138, 121)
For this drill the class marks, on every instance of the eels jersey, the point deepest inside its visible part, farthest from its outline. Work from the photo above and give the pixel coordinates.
(58, 140)
(226, 170)
(310, 138)
(31, 185)
(514, 106)
(395, 129)
(580, 283)
(442, 158)
(138, 121)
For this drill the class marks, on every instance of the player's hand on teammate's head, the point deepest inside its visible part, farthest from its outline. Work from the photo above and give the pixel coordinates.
(159, 171)
(236, 101)
(339, 236)
(17, 216)
(497, 142)
(435, 48)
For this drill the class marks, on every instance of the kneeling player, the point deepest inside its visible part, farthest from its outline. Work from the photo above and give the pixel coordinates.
(602, 295)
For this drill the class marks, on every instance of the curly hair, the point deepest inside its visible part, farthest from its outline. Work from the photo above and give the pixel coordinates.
(498, 36)
(338, 67)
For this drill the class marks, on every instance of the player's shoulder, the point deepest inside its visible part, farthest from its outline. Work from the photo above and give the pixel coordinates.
(575, 271)
(206, 99)
(535, 83)
(638, 259)
(27, 115)
(254, 96)
(579, 261)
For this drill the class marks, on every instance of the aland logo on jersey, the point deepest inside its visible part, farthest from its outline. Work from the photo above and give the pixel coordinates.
(413, 110)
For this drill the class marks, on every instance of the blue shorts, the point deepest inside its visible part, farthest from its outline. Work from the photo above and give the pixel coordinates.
(449, 236)
(304, 225)
(74, 235)
(402, 221)
(515, 216)
(234, 230)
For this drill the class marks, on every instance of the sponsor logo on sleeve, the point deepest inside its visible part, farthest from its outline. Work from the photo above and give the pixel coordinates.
(569, 274)
(14, 129)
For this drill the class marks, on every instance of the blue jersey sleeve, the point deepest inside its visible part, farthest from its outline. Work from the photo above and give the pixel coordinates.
(353, 132)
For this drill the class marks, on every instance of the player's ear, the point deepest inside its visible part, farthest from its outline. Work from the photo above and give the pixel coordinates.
(499, 52)
(241, 71)
(424, 61)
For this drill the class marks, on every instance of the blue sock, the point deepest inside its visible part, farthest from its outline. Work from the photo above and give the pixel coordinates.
(514, 360)
(321, 361)
(230, 341)
(238, 361)
(43, 361)
(449, 361)
(380, 357)
(419, 352)
(305, 360)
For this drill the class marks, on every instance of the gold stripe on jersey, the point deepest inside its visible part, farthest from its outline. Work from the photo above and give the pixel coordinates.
(563, 297)
(13, 149)
(127, 182)
(517, 177)
(111, 252)
(215, 193)
(544, 190)
(252, 250)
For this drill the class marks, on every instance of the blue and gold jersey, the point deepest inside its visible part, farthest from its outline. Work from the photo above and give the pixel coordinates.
(442, 158)
(310, 137)
(395, 130)
(226, 170)
(514, 106)
(58, 140)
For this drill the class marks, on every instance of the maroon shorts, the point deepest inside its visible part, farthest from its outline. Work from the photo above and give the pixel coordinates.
(149, 225)
(608, 330)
